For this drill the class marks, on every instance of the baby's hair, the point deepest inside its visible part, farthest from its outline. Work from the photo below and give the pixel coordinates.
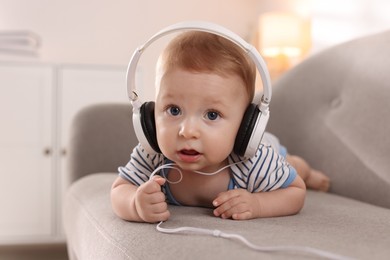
(197, 51)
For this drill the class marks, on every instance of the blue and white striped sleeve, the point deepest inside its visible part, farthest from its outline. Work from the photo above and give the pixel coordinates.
(140, 166)
(266, 171)
(270, 170)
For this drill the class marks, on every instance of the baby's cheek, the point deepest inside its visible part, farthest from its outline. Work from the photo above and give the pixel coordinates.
(165, 137)
(223, 144)
(165, 148)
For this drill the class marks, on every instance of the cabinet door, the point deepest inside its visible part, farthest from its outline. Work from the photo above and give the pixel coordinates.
(26, 165)
(81, 86)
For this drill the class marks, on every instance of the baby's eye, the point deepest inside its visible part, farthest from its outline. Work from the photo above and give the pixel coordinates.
(212, 115)
(174, 111)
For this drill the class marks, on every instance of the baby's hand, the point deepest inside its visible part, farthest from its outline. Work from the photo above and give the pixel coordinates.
(150, 201)
(237, 204)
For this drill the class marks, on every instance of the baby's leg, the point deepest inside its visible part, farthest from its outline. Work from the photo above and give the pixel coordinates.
(314, 179)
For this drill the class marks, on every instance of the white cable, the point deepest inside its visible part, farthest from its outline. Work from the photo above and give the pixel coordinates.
(176, 167)
(170, 166)
(219, 233)
(217, 171)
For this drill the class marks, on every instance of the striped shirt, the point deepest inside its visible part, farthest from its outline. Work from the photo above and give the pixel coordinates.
(268, 170)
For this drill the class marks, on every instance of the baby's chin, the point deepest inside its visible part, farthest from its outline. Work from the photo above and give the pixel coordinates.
(201, 169)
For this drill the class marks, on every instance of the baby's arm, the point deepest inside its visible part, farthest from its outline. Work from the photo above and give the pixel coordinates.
(145, 203)
(241, 204)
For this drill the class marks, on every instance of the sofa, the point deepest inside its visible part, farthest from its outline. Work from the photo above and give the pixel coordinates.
(332, 109)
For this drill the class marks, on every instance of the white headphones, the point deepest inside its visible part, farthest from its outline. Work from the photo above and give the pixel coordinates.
(255, 118)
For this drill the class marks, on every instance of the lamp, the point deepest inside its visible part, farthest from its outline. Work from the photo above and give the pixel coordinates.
(283, 38)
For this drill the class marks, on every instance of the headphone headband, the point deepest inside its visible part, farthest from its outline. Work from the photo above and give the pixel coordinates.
(210, 28)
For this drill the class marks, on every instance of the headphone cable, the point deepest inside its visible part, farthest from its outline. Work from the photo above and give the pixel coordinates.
(219, 233)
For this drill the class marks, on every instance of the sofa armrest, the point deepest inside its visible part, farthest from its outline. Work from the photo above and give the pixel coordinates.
(101, 139)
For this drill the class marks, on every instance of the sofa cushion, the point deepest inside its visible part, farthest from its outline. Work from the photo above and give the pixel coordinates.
(327, 222)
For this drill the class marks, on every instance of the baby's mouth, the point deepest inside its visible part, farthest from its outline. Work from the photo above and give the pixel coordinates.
(189, 156)
(189, 152)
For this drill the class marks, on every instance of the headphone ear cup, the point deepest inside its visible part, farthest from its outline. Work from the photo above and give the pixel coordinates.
(246, 128)
(148, 124)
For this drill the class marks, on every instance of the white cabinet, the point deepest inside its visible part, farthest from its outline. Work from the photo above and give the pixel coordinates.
(37, 104)
(26, 147)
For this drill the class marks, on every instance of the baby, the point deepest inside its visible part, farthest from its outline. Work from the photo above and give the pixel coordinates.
(204, 85)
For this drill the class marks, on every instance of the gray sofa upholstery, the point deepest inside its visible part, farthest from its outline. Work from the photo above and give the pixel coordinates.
(332, 109)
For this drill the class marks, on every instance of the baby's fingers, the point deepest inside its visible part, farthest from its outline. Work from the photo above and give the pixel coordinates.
(155, 212)
(226, 208)
(242, 216)
(159, 180)
(153, 185)
(225, 196)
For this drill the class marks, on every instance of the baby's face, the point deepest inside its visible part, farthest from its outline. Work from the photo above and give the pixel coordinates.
(197, 118)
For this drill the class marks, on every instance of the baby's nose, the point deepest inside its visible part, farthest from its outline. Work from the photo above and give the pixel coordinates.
(189, 128)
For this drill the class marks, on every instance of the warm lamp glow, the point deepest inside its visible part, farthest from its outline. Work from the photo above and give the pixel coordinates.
(276, 51)
(284, 39)
(282, 33)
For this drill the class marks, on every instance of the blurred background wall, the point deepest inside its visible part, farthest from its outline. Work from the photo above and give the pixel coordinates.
(103, 31)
